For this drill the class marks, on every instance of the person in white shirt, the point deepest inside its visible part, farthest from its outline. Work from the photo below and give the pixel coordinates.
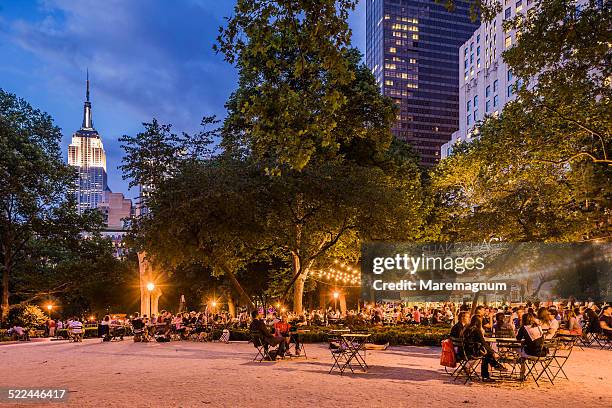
(75, 328)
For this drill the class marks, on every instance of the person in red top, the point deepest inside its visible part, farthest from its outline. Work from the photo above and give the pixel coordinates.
(281, 329)
(416, 315)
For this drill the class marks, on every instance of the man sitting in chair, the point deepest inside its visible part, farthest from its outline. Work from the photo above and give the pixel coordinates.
(259, 326)
(605, 320)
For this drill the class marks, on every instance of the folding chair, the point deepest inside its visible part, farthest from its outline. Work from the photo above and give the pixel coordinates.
(602, 340)
(509, 354)
(466, 364)
(263, 349)
(565, 345)
(536, 367)
(339, 352)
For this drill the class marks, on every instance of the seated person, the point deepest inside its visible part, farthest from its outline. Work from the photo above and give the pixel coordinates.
(573, 326)
(459, 327)
(259, 326)
(75, 329)
(533, 336)
(138, 327)
(281, 329)
(502, 326)
(104, 328)
(476, 346)
(548, 323)
(18, 333)
(605, 320)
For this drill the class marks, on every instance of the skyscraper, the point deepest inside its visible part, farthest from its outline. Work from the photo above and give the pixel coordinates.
(412, 48)
(86, 153)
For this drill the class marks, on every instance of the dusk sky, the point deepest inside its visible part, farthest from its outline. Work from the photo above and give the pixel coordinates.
(146, 59)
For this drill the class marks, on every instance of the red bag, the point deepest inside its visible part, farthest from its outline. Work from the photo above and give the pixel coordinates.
(447, 358)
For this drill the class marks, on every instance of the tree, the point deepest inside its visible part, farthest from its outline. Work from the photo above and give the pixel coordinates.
(292, 61)
(541, 170)
(41, 247)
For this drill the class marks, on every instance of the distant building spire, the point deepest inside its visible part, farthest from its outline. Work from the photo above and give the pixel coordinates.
(87, 118)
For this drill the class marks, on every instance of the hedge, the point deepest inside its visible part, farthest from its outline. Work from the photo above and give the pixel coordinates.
(394, 335)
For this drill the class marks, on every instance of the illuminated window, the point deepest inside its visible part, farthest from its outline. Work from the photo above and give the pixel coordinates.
(412, 61)
(387, 16)
(392, 50)
(519, 6)
(508, 42)
(389, 82)
(390, 66)
(415, 36)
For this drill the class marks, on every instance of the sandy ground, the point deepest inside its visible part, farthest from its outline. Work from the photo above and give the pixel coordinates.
(185, 374)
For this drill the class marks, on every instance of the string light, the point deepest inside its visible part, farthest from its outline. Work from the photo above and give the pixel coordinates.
(340, 273)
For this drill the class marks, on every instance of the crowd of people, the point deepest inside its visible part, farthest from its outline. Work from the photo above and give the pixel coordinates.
(532, 324)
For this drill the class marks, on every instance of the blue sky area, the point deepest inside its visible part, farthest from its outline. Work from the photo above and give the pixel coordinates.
(146, 59)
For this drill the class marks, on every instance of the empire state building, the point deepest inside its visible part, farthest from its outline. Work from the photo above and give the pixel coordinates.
(86, 153)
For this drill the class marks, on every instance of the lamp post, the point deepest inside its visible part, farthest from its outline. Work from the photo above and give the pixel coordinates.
(49, 308)
(150, 287)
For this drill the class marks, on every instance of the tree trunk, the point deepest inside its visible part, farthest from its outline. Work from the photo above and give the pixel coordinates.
(5, 293)
(298, 292)
(238, 287)
(474, 303)
(230, 305)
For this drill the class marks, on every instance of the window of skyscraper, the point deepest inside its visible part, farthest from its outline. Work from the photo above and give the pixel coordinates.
(487, 106)
(495, 100)
(475, 102)
(488, 91)
(509, 75)
(508, 13)
(469, 105)
(508, 42)
(478, 50)
(495, 84)
(509, 91)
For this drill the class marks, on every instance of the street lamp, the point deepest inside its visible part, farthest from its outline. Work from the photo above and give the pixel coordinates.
(150, 287)
(336, 296)
(49, 307)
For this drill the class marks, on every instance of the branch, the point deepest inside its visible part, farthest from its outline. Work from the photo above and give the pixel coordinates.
(567, 160)
(580, 125)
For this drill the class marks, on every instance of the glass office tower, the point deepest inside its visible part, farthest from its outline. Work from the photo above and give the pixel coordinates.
(412, 48)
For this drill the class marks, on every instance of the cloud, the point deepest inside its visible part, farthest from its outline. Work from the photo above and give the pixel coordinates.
(154, 58)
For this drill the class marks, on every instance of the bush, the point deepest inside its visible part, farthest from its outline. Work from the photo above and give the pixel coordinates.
(28, 316)
(402, 335)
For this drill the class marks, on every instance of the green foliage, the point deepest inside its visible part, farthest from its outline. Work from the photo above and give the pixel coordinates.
(540, 171)
(27, 316)
(42, 251)
(301, 91)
